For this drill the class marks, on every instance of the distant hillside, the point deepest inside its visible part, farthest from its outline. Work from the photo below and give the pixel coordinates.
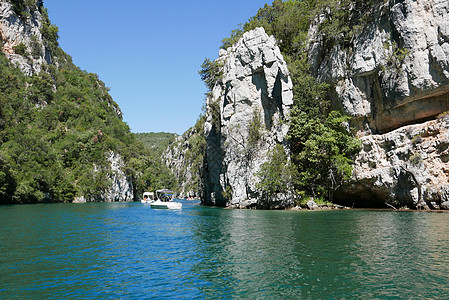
(156, 141)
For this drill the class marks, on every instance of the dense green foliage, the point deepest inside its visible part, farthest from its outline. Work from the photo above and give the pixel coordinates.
(154, 173)
(289, 21)
(23, 7)
(151, 171)
(210, 73)
(54, 143)
(322, 147)
(278, 174)
(58, 128)
(157, 142)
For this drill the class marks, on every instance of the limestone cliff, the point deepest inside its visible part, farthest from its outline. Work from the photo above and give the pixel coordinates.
(247, 113)
(23, 33)
(121, 188)
(394, 74)
(391, 77)
(185, 159)
(405, 167)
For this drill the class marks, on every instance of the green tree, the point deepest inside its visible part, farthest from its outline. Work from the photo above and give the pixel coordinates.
(210, 73)
(277, 175)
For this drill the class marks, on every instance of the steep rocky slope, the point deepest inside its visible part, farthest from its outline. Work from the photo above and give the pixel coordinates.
(27, 31)
(185, 159)
(394, 74)
(248, 110)
(407, 167)
(391, 77)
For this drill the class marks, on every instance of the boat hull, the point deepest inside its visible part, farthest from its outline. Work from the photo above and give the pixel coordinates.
(165, 205)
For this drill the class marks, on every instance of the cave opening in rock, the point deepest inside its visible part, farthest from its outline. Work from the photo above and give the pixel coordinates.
(361, 199)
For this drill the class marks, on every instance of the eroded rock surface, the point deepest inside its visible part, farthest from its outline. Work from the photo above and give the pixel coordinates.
(26, 31)
(121, 188)
(255, 89)
(396, 71)
(184, 164)
(405, 167)
(393, 79)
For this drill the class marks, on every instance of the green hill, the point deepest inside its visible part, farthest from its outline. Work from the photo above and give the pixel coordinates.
(58, 127)
(156, 141)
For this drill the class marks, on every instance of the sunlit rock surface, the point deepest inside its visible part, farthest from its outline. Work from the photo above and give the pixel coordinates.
(255, 84)
(27, 31)
(393, 79)
(395, 72)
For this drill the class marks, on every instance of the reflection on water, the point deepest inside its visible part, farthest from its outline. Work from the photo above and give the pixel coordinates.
(329, 254)
(122, 250)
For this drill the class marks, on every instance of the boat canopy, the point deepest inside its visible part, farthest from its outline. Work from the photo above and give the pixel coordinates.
(165, 195)
(165, 192)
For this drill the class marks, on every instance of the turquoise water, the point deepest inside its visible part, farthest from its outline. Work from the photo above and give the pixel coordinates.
(130, 251)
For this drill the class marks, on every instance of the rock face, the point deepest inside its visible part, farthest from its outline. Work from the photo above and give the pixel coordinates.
(397, 70)
(185, 163)
(121, 188)
(394, 74)
(15, 31)
(246, 117)
(405, 167)
(392, 78)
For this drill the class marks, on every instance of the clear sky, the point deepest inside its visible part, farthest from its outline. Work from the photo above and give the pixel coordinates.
(149, 51)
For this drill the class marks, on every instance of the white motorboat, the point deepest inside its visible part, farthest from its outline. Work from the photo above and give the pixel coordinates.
(164, 199)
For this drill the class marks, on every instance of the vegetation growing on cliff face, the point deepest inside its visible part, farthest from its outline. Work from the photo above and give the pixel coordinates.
(192, 168)
(211, 72)
(278, 174)
(23, 7)
(157, 142)
(154, 174)
(57, 129)
(322, 148)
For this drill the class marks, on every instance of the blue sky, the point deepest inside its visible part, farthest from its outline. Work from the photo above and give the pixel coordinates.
(149, 51)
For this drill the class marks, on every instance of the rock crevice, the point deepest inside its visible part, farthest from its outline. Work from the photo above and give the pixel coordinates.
(255, 90)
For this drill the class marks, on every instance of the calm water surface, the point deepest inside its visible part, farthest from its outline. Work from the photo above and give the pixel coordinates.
(130, 251)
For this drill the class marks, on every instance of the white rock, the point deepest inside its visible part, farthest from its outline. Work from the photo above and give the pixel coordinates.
(15, 31)
(255, 80)
(393, 68)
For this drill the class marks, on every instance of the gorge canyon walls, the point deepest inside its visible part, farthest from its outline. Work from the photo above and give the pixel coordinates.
(392, 79)
(25, 42)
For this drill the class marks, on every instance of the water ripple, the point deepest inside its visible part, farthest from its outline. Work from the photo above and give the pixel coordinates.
(122, 250)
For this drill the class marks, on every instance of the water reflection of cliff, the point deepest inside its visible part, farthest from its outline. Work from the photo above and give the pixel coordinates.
(333, 254)
(404, 251)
